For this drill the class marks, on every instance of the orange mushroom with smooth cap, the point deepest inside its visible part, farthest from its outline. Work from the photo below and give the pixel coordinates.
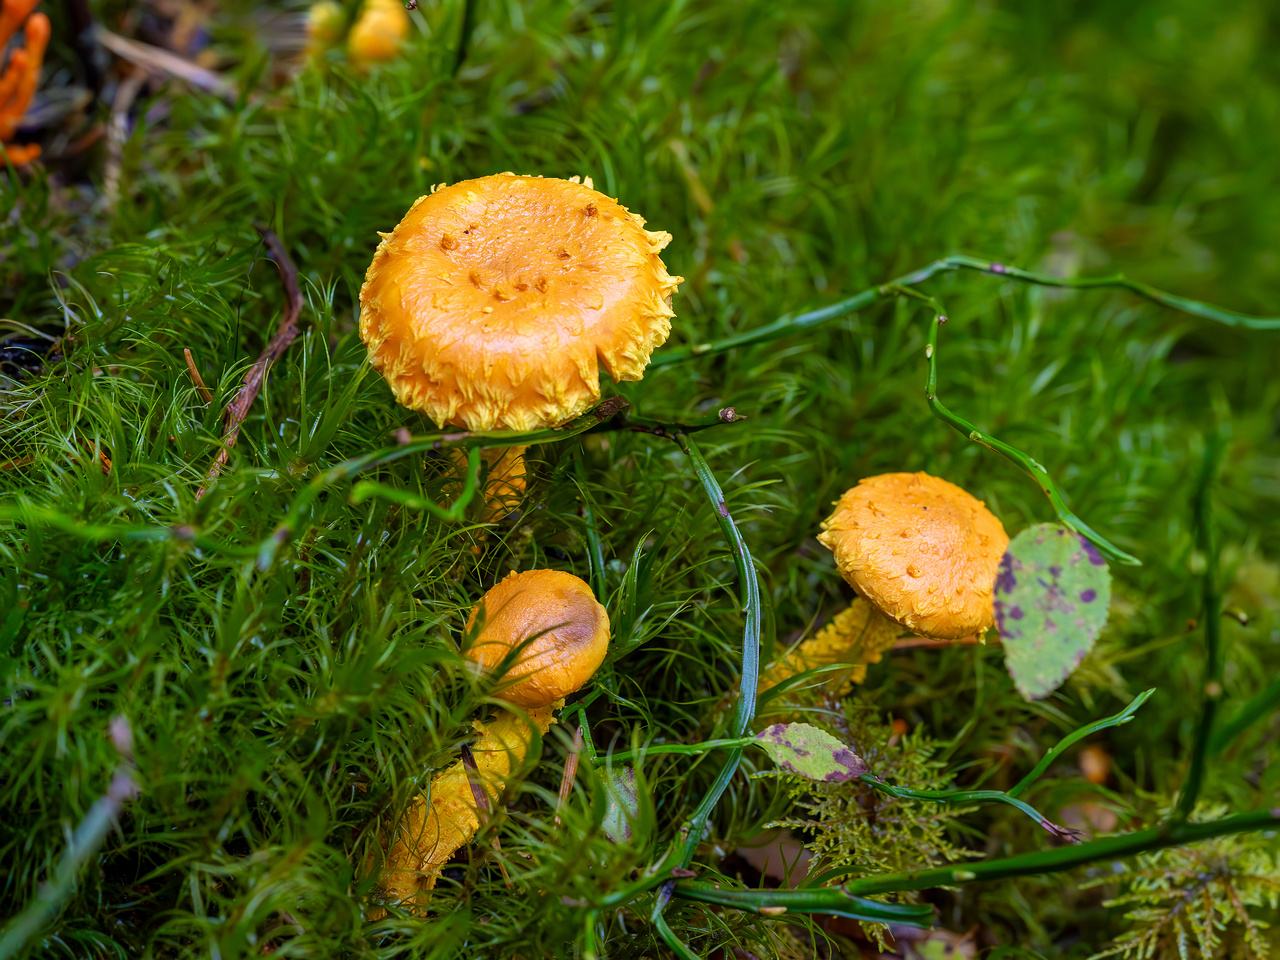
(551, 634)
(495, 302)
(921, 550)
(921, 553)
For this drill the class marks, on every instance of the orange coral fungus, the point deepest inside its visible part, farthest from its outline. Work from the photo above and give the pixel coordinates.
(494, 301)
(18, 82)
(922, 550)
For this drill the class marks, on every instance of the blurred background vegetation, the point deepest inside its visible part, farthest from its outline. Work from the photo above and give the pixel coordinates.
(798, 153)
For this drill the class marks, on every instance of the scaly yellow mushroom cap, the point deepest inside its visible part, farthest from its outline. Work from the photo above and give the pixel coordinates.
(494, 302)
(567, 630)
(920, 549)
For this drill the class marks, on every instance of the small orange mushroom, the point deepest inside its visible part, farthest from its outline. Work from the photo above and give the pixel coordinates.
(22, 74)
(494, 303)
(550, 634)
(325, 22)
(566, 628)
(378, 33)
(921, 550)
(922, 553)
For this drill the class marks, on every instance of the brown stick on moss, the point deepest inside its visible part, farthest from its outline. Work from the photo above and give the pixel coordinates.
(285, 334)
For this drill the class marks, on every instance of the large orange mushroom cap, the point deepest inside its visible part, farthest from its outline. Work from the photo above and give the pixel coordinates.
(495, 301)
(920, 549)
(567, 630)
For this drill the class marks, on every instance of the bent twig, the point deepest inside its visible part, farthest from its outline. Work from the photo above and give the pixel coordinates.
(238, 409)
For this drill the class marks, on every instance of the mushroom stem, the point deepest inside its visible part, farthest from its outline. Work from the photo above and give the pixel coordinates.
(856, 636)
(505, 474)
(444, 818)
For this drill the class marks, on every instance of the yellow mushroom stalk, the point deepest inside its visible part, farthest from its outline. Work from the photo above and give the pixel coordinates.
(560, 634)
(494, 303)
(506, 474)
(856, 636)
(444, 819)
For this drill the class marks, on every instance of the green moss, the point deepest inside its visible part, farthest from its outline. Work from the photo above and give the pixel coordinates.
(798, 154)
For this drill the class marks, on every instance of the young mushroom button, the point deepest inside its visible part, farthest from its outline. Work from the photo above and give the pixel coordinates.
(921, 550)
(542, 629)
(495, 301)
(547, 627)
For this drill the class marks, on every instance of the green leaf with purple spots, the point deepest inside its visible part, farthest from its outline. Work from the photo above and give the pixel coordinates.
(1052, 594)
(810, 752)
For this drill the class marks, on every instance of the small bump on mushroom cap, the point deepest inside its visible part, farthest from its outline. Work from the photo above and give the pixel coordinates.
(568, 627)
(495, 301)
(921, 549)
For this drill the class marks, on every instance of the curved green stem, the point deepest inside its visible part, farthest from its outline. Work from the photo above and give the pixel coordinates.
(1067, 858)
(1196, 308)
(452, 514)
(33, 514)
(689, 749)
(789, 324)
(750, 643)
(779, 328)
(832, 900)
(1124, 716)
(970, 796)
(1030, 467)
(750, 673)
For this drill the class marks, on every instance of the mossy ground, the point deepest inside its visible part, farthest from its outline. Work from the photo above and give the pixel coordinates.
(798, 154)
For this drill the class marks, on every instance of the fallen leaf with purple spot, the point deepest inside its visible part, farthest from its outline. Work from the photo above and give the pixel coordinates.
(1052, 594)
(803, 749)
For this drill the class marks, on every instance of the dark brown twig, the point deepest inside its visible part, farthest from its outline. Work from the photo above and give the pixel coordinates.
(620, 420)
(238, 409)
(204, 391)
